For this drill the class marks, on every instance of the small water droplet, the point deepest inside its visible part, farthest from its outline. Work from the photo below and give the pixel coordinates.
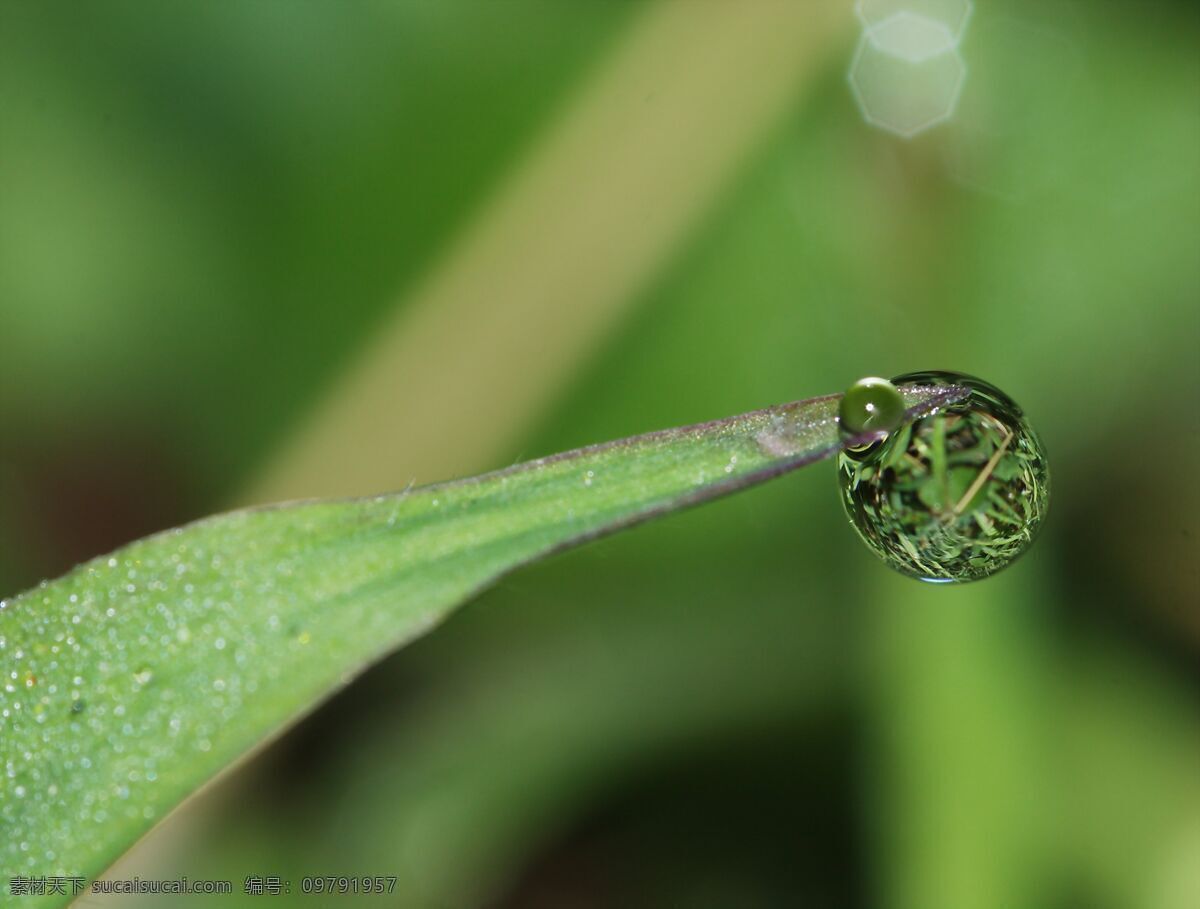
(870, 405)
(78, 705)
(956, 495)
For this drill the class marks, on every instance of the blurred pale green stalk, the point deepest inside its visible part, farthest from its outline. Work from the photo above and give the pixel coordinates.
(563, 248)
(962, 764)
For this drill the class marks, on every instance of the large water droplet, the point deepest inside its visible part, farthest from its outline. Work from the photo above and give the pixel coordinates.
(956, 495)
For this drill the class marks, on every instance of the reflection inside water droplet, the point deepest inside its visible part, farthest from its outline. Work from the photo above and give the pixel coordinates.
(954, 496)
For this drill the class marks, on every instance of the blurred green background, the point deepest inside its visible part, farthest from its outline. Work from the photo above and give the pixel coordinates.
(212, 213)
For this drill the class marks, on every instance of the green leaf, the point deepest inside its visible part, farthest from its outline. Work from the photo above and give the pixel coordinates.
(136, 677)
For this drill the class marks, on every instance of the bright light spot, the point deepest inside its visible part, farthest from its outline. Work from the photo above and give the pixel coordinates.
(907, 72)
(953, 14)
(911, 37)
(903, 97)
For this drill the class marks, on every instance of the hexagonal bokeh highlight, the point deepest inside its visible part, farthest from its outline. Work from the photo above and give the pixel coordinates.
(911, 37)
(914, 30)
(902, 97)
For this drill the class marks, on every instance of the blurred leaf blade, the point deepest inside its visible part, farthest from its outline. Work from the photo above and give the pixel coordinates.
(138, 676)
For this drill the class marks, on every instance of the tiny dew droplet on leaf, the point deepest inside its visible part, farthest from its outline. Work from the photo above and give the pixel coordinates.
(870, 405)
(953, 496)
